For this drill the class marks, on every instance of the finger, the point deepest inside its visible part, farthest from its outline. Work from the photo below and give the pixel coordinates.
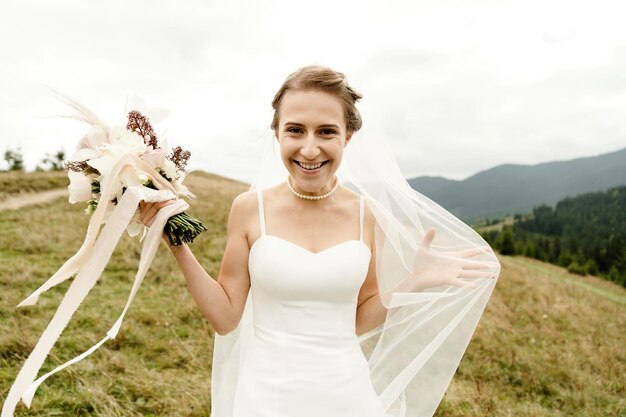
(460, 283)
(167, 203)
(160, 204)
(467, 253)
(143, 208)
(478, 265)
(145, 221)
(428, 237)
(152, 212)
(474, 274)
(148, 218)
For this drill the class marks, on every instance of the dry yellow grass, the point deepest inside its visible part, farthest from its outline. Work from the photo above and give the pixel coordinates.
(549, 343)
(546, 346)
(18, 182)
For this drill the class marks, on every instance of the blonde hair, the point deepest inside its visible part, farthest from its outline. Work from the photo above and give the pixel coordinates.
(317, 77)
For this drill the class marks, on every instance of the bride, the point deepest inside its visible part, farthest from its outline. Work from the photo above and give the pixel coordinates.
(332, 300)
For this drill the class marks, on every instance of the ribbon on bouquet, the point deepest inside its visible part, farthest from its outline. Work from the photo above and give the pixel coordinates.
(89, 262)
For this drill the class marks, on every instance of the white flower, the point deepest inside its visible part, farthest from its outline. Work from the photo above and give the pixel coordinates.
(127, 143)
(143, 178)
(131, 176)
(130, 141)
(154, 114)
(88, 147)
(115, 132)
(170, 169)
(104, 164)
(154, 157)
(162, 141)
(182, 190)
(80, 187)
(118, 187)
(85, 154)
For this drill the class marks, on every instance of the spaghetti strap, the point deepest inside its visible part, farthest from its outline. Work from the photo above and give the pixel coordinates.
(361, 207)
(261, 212)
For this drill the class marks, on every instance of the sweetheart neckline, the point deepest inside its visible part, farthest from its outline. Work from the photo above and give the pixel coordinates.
(307, 250)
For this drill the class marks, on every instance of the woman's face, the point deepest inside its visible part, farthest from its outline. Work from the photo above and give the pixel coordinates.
(312, 135)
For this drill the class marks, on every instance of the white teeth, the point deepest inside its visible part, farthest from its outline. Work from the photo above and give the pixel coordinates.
(309, 166)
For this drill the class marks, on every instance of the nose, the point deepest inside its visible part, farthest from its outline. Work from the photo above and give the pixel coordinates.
(310, 148)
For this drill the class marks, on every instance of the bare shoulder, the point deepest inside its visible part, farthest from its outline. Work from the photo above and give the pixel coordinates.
(351, 195)
(369, 221)
(273, 192)
(245, 201)
(244, 206)
(356, 197)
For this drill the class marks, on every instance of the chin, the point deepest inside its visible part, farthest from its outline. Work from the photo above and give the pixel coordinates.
(308, 184)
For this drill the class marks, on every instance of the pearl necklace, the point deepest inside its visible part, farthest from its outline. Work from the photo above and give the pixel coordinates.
(313, 197)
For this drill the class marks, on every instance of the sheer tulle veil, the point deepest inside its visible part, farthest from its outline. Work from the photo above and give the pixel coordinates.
(414, 354)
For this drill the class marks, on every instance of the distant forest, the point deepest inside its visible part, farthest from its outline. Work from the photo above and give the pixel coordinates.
(586, 234)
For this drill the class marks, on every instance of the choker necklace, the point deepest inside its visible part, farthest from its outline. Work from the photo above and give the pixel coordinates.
(312, 197)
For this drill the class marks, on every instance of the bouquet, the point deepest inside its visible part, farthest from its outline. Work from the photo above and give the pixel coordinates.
(113, 170)
(98, 150)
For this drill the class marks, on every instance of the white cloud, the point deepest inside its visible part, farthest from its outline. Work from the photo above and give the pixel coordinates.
(459, 86)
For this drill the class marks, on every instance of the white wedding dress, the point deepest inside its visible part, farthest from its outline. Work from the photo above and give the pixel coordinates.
(305, 359)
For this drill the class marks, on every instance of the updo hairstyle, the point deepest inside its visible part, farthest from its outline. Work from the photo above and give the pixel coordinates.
(320, 78)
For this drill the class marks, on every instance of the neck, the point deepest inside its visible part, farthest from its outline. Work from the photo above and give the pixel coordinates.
(315, 197)
(329, 186)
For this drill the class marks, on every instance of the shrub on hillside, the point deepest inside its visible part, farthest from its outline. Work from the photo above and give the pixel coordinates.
(576, 268)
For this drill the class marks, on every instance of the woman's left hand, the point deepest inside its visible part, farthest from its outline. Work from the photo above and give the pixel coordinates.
(149, 211)
(432, 268)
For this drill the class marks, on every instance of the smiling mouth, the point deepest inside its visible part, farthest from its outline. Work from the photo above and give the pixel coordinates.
(310, 167)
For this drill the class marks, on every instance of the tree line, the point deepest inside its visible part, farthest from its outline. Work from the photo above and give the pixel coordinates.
(586, 234)
(14, 160)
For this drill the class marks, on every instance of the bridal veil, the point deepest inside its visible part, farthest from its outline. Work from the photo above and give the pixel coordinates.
(415, 352)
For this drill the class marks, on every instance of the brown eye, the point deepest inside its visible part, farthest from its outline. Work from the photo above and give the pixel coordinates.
(294, 130)
(328, 132)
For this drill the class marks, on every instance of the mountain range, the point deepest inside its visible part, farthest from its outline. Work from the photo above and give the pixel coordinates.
(512, 188)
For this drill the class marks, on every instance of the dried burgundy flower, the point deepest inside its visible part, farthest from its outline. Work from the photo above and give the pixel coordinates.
(76, 166)
(179, 157)
(139, 123)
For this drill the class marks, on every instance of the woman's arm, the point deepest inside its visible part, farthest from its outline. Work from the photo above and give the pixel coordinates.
(221, 301)
(370, 311)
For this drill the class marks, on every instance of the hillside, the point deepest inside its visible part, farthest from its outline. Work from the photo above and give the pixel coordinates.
(550, 343)
(508, 188)
(586, 234)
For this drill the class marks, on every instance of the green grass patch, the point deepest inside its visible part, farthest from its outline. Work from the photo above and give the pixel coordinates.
(615, 294)
(544, 347)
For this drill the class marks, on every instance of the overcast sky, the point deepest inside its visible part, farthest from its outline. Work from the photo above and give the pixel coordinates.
(459, 86)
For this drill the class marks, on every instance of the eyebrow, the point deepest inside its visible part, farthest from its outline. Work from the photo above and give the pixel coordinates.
(301, 125)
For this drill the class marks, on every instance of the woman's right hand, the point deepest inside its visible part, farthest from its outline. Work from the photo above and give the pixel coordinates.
(148, 211)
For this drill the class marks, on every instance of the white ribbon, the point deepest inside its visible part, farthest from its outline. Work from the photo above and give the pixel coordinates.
(89, 262)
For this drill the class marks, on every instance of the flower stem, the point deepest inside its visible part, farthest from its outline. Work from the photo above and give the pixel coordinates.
(182, 228)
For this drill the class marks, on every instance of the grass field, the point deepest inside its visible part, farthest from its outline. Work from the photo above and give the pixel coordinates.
(549, 344)
(16, 182)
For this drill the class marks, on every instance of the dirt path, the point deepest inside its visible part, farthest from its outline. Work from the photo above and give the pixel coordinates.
(22, 200)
